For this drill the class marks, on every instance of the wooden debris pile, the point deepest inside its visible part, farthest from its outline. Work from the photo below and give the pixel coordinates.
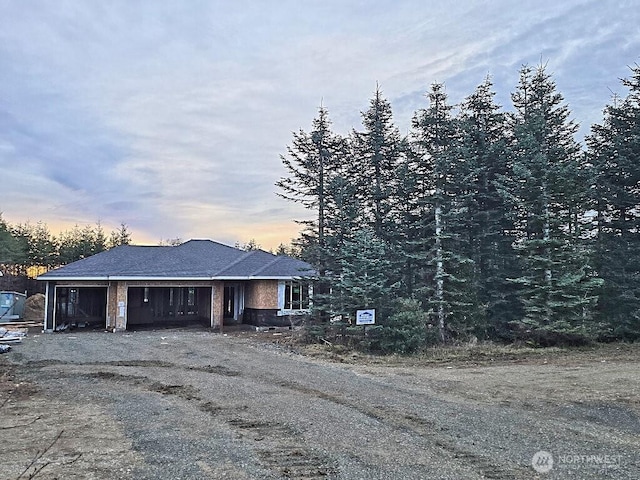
(10, 337)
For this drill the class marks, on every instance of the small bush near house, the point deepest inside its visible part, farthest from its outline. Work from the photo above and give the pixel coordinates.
(403, 332)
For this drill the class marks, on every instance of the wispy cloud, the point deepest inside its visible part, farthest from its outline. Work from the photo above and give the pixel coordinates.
(171, 116)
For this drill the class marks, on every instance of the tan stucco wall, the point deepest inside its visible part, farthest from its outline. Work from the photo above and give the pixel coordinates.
(261, 294)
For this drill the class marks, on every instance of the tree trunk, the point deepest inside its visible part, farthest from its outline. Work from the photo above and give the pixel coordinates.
(546, 236)
(440, 274)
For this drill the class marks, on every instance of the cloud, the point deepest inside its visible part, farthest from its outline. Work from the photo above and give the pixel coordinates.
(171, 116)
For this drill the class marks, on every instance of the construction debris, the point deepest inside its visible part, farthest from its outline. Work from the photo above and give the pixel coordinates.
(23, 324)
(272, 329)
(10, 337)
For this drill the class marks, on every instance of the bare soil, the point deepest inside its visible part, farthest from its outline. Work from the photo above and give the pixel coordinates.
(192, 404)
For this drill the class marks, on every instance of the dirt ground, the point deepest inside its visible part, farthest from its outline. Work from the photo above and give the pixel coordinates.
(192, 404)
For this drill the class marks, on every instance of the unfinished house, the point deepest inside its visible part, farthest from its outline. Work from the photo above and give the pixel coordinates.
(199, 281)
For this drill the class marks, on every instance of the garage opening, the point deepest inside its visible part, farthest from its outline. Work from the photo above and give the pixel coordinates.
(80, 307)
(168, 306)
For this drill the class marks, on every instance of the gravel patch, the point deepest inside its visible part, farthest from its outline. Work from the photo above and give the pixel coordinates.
(192, 404)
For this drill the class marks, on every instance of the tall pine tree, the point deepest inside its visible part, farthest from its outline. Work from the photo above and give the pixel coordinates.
(377, 150)
(311, 161)
(483, 164)
(557, 287)
(436, 142)
(614, 149)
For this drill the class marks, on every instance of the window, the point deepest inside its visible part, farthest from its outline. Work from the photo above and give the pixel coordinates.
(296, 296)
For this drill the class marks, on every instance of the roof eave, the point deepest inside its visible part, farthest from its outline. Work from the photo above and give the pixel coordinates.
(43, 278)
(173, 278)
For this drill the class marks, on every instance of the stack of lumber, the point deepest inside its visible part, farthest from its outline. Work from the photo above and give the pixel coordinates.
(11, 336)
(21, 324)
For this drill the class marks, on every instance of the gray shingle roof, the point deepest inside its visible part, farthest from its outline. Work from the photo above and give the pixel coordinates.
(193, 259)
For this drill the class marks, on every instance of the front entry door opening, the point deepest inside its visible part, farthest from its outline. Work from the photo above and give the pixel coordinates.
(230, 302)
(233, 302)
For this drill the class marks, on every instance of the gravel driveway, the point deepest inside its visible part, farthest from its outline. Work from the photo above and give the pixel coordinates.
(191, 404)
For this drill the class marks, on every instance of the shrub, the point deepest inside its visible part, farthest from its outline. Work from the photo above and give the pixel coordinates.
(403, 332)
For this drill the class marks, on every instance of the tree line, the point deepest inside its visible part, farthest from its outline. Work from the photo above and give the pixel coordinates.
(479, 223)
(28, 249)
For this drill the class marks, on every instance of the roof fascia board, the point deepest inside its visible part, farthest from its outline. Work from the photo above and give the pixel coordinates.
(259, 277)
(170, 279)
(55, 279)
(163, 279)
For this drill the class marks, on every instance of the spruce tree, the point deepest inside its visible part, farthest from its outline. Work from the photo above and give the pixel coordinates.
(614, 150)
(436, 142)
(122, 236)
(377, 151)
(484, 221)
(343, 219)
(311, 161)
(363, 280)
(13, 251)
(407, 207)
(557, 287)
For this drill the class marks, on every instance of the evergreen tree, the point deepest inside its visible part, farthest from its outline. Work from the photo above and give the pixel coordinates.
(377, 151)
(407, 210)
(557, 286)
(311, 161)
(42, 248)
(13, 252)
(483, 162)
(287, 250)
(99, 239)
(41, 252)
(614, 149)
(363, 279)
(79, 243)
(122, 236)
(436, 141)
(250, 246)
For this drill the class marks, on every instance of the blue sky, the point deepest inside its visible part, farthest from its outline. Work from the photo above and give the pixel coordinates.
(171, 116)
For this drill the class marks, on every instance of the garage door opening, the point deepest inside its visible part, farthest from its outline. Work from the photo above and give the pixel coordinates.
(80, 307)
(168, 307)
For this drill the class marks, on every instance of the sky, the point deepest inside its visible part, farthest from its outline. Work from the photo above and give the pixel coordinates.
(171, 116)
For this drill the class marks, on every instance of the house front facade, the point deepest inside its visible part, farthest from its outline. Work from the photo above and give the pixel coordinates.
(199, 281)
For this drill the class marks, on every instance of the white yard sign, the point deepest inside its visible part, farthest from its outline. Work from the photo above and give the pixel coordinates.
(366, 317)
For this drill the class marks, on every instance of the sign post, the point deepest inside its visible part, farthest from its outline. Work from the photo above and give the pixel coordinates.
(364, 318)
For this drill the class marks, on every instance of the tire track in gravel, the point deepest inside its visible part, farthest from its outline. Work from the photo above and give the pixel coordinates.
(279, 447)
(217, 369)
(420, 426)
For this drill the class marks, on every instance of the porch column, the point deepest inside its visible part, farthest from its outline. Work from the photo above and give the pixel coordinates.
(112, 306)
(49, 306)
(217, 304)
(119, 306)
